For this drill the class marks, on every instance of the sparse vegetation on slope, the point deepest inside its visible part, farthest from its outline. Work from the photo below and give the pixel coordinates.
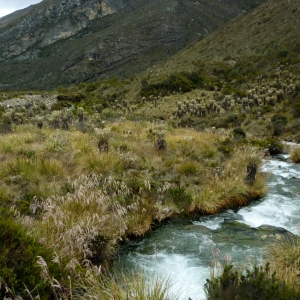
(61, 43)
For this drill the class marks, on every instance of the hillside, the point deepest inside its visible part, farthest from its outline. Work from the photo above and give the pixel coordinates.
(251, 44)
(173, 112)
(60, 42)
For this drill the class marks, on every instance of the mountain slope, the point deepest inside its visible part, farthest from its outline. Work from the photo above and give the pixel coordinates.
(63, 42)
(47, 22)
(260, 40)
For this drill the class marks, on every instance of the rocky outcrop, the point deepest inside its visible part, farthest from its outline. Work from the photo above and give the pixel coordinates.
(68, 41)
(48, 22)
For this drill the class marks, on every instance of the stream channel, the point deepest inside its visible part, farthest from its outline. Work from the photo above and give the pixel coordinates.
(183, 251)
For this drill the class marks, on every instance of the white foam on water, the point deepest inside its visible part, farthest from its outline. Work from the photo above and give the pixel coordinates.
(185, 274)
(277, 181)
(275, 209)
(215, 221)
(280, 168)
(211, 223)
(183, 257)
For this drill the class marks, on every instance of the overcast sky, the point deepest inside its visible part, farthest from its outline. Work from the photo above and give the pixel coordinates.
(9, 6)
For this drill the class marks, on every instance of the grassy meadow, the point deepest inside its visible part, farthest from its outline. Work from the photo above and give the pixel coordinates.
(87, 168)
(81, 201)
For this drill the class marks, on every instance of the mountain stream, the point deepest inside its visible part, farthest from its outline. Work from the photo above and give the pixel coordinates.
(184, 251)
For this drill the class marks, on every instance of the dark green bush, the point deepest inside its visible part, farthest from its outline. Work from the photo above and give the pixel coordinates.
(5, 123)
(62, 97)
(283, 53)
(227, 121)
(273, 146)
(180, 82)
(266, 109)
(279, 118)
(5, 127)
(76, 97)
(91, 87)
(238, 133)
(279, 121)
(258, 284)
(18, 256)
(229, 90)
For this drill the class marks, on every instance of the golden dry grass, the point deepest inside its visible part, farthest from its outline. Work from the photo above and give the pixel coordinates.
(285, 260)
(295, 155)
(228, 189)
(77, 196)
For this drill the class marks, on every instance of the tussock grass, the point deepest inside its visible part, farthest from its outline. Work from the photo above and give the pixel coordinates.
(134, 286)
(285, 260)
(228, 189)
(93, 162)
(295, 155)
(81, 202)
(95, 284)
(192, 159)
(70, 223)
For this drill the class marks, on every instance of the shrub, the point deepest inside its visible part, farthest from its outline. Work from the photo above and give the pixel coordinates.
(18, 256)
(279, 121)
(275, 147)
(272, 146)
(129, 161)
(100, 247)
(256, 284)
(77, 97)
(5, 127)
(227, 121)
(60, 105)
(5, 123)
(283, 53)
(238, 133)
(161, 144)
(183, 81)
(103, 137)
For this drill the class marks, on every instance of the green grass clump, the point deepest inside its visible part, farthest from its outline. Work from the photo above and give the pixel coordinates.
(189, 168)
(223, 189)
(181, 197)
(18, 257)
(258, 283)
(284, 256)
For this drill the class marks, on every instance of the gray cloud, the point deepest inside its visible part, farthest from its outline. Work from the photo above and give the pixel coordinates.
(9, 6)
(17, 4)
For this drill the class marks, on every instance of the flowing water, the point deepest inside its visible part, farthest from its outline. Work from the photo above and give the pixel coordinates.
(184, 251)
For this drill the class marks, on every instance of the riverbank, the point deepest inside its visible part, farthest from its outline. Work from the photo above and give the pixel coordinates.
(80, 193)
(187, 252)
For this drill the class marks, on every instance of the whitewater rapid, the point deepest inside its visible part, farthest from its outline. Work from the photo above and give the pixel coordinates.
(183, 251)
